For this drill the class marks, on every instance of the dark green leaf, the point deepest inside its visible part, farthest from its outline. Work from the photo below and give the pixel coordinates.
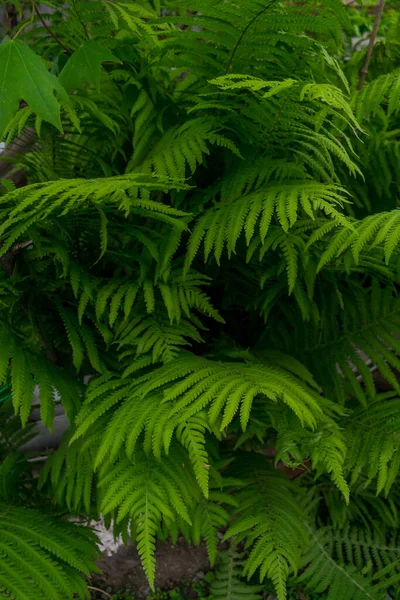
(84, 66)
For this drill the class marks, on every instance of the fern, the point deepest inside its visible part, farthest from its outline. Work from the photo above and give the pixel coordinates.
(229, 387)
(70, 471)
(222, 227)
(374, 451)
(370, 332)
(272, 536)
(29, 368)
(328, 575)
(200, 262)
(43, 556)
(147, 491)
(228, 584)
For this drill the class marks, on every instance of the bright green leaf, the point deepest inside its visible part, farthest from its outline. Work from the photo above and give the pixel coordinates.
(84, 66)
(23, 76)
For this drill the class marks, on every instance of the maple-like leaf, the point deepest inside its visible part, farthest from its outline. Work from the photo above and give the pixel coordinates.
(85, 65)
(23, 76)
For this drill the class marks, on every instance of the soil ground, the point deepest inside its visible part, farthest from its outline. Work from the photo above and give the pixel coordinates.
(175, 563)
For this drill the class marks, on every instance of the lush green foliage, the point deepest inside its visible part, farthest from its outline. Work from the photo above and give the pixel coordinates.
(210, 235)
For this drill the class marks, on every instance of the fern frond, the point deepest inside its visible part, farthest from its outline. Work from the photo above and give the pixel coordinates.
(192, 437)
(128, 193)
(327, 449)
(374, 449)
(324, 572)
(194, 383)
(270, 520)
(365, 327)
(178, 293)
(380, 232)
(71, 475)
(149, 334)
(147, 491)
(44, 557)
(136, 423)
(222, 226)
(210, 516)
(382, 90)
(26, 369)
(228, 583)
(181, 149)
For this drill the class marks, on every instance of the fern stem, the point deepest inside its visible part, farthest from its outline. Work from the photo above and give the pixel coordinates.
(59, 42)
(365, 67)
(276, 121)
(245, 30)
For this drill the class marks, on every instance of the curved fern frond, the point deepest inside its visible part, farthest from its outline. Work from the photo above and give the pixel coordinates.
(222, 226)
(192, 384)
(181, 149)
(135, 423)
(149, 334)
(379, 232)
(128, 193)
(382, 90)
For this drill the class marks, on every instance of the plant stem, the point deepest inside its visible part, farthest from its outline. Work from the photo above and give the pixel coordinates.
(30, 22)
(365, 67)
(249, 24)
(59, 42)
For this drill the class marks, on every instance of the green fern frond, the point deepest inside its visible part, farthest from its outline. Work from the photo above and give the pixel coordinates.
(380, 232)
(270, 520)
(228, 583)
(149, 334)
(365, 327)
(71, 474)
(192, 437)
(147, 491)
(382, 90)
(128, 193)
(324, 572)
(368, 551)
(210, 516)
(194, 383)
(181, 149)
(178, 293)
(136, 423)
(374, 449)
(326, 450)
(222, 226)
(44, 557)
(26, 369)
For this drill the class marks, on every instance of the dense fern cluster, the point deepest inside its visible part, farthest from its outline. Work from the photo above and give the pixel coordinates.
(204, 267)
